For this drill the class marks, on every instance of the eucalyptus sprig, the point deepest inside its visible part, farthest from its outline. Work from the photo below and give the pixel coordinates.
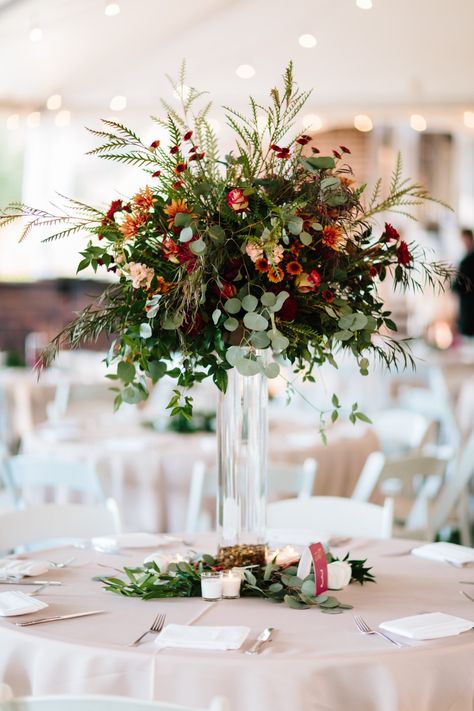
(273, 582)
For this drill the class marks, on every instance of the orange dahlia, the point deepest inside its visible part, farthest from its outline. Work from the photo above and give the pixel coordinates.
(261, 264)
(294, 268)
(275, 274)
(143, 200)
(174, 207)
(334, 238)
(132, 224)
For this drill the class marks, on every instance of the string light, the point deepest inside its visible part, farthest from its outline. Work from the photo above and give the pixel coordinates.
(112, 9)
(118, 103)
(13, 122)
(245, 71)
(418, 122)
(36, 34)
(54, 102)
(469, 119)
(307, 41)
(312, 122)
(363, 123)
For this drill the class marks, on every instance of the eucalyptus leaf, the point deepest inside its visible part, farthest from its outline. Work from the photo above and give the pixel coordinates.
(306, 239)
(272, 370)
(255, 322)
(186, 234)
(259, 339)
(346, 321)
(198, 246)
(145, 330)
(331, 182)
(275, 588)
(216, 314)
(343, 335)
(295, 603)
(126, 371)
(217, 234)
(280, 343)
(231, 324)
(247, 366)
(233, 306)
(360, 322)
(249, 302)
(171, 323)
(234, 354)
(295, 225)
(321, 162)
(182, 219)
(308, 587)
(268, 298)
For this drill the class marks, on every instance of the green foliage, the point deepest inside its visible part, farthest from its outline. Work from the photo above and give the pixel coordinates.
(272, 582)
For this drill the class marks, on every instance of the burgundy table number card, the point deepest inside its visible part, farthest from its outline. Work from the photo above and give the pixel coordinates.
(314, 556)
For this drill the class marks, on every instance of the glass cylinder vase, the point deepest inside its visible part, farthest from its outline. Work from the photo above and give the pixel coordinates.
(242, 425)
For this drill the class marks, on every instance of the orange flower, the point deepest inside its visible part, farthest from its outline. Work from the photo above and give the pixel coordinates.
(132, 224)
(345, 181)
(294, 268)
(174, 207)
(180, 168)
(261, 264)
(275, 274)
(143, 200)
(162, 286)
(334, 238)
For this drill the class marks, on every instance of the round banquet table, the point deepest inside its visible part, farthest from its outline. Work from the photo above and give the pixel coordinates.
(316, 662)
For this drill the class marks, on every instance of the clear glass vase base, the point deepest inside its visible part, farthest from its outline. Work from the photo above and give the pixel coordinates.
(242, 555)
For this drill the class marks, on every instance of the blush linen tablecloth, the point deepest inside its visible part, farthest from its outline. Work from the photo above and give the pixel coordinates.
(316, 662)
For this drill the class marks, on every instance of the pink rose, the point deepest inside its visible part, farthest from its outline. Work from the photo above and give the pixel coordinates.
(253, 251)
(237, 200)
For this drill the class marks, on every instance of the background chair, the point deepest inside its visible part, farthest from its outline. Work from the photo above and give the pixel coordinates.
(402, 431)
(333, 515)
(50, 522)
(101, 703)
(283, 479)
(30, 478)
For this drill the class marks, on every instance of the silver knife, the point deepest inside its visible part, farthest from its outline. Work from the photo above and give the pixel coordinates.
(265, 636)
(30, 582)
(58, 617)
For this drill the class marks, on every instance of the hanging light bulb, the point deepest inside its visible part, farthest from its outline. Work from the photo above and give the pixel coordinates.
(111, 8)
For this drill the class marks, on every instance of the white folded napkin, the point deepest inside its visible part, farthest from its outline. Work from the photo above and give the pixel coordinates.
(428, 626)
(186, 637)
(19, 568)
(17, 603)
(138, 539)
(445, 551)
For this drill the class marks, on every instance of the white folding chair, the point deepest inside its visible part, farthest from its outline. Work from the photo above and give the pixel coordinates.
(333, 515)
(52, 522)
(28, 476)
(402, 431)
(427, 517)
(283, 479)
(102, 703)
(399, 476)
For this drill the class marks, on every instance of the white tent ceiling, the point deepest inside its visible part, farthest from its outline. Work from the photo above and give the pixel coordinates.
(400, 53)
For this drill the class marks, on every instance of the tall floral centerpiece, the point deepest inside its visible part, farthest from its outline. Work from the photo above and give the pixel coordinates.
(226, 266)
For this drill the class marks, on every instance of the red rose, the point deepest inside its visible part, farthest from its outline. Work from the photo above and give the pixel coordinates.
(289, 309)
(390, 233)
(226, 290)
(403, 254)
(314, 277)
(328, 296)
(237, 200)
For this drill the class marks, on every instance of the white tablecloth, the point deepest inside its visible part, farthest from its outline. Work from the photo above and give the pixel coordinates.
(316, 662)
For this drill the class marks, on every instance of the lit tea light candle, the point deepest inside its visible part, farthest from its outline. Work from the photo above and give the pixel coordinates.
(231, 585)
(285, 556)
(211, 586)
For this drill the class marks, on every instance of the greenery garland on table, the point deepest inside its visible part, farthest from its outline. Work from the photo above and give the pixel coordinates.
(275, 582)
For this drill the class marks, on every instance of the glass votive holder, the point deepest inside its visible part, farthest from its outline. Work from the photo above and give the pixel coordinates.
(211, 586)
(230, 585)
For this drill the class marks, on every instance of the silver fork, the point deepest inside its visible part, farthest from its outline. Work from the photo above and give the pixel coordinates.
(155, 628)
(63, 564)
(365, 629)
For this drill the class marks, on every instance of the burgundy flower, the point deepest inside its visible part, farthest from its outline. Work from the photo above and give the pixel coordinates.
(336, 154)
(344, 149)
(115, 206)
(200, 156)
(178, 184)
(274, 147)
(180, 168)
(174, 150)
(194, 325)
(231, 268)
(403, 254)
(289, 309)
(373, 271)
(303, 140)
(315, 150)
(390, 233)
(328, 296)
(187, 135)
(225, 290)
(156, 174)
(155, 144)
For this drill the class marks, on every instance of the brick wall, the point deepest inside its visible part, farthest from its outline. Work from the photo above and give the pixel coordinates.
(41, 307)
